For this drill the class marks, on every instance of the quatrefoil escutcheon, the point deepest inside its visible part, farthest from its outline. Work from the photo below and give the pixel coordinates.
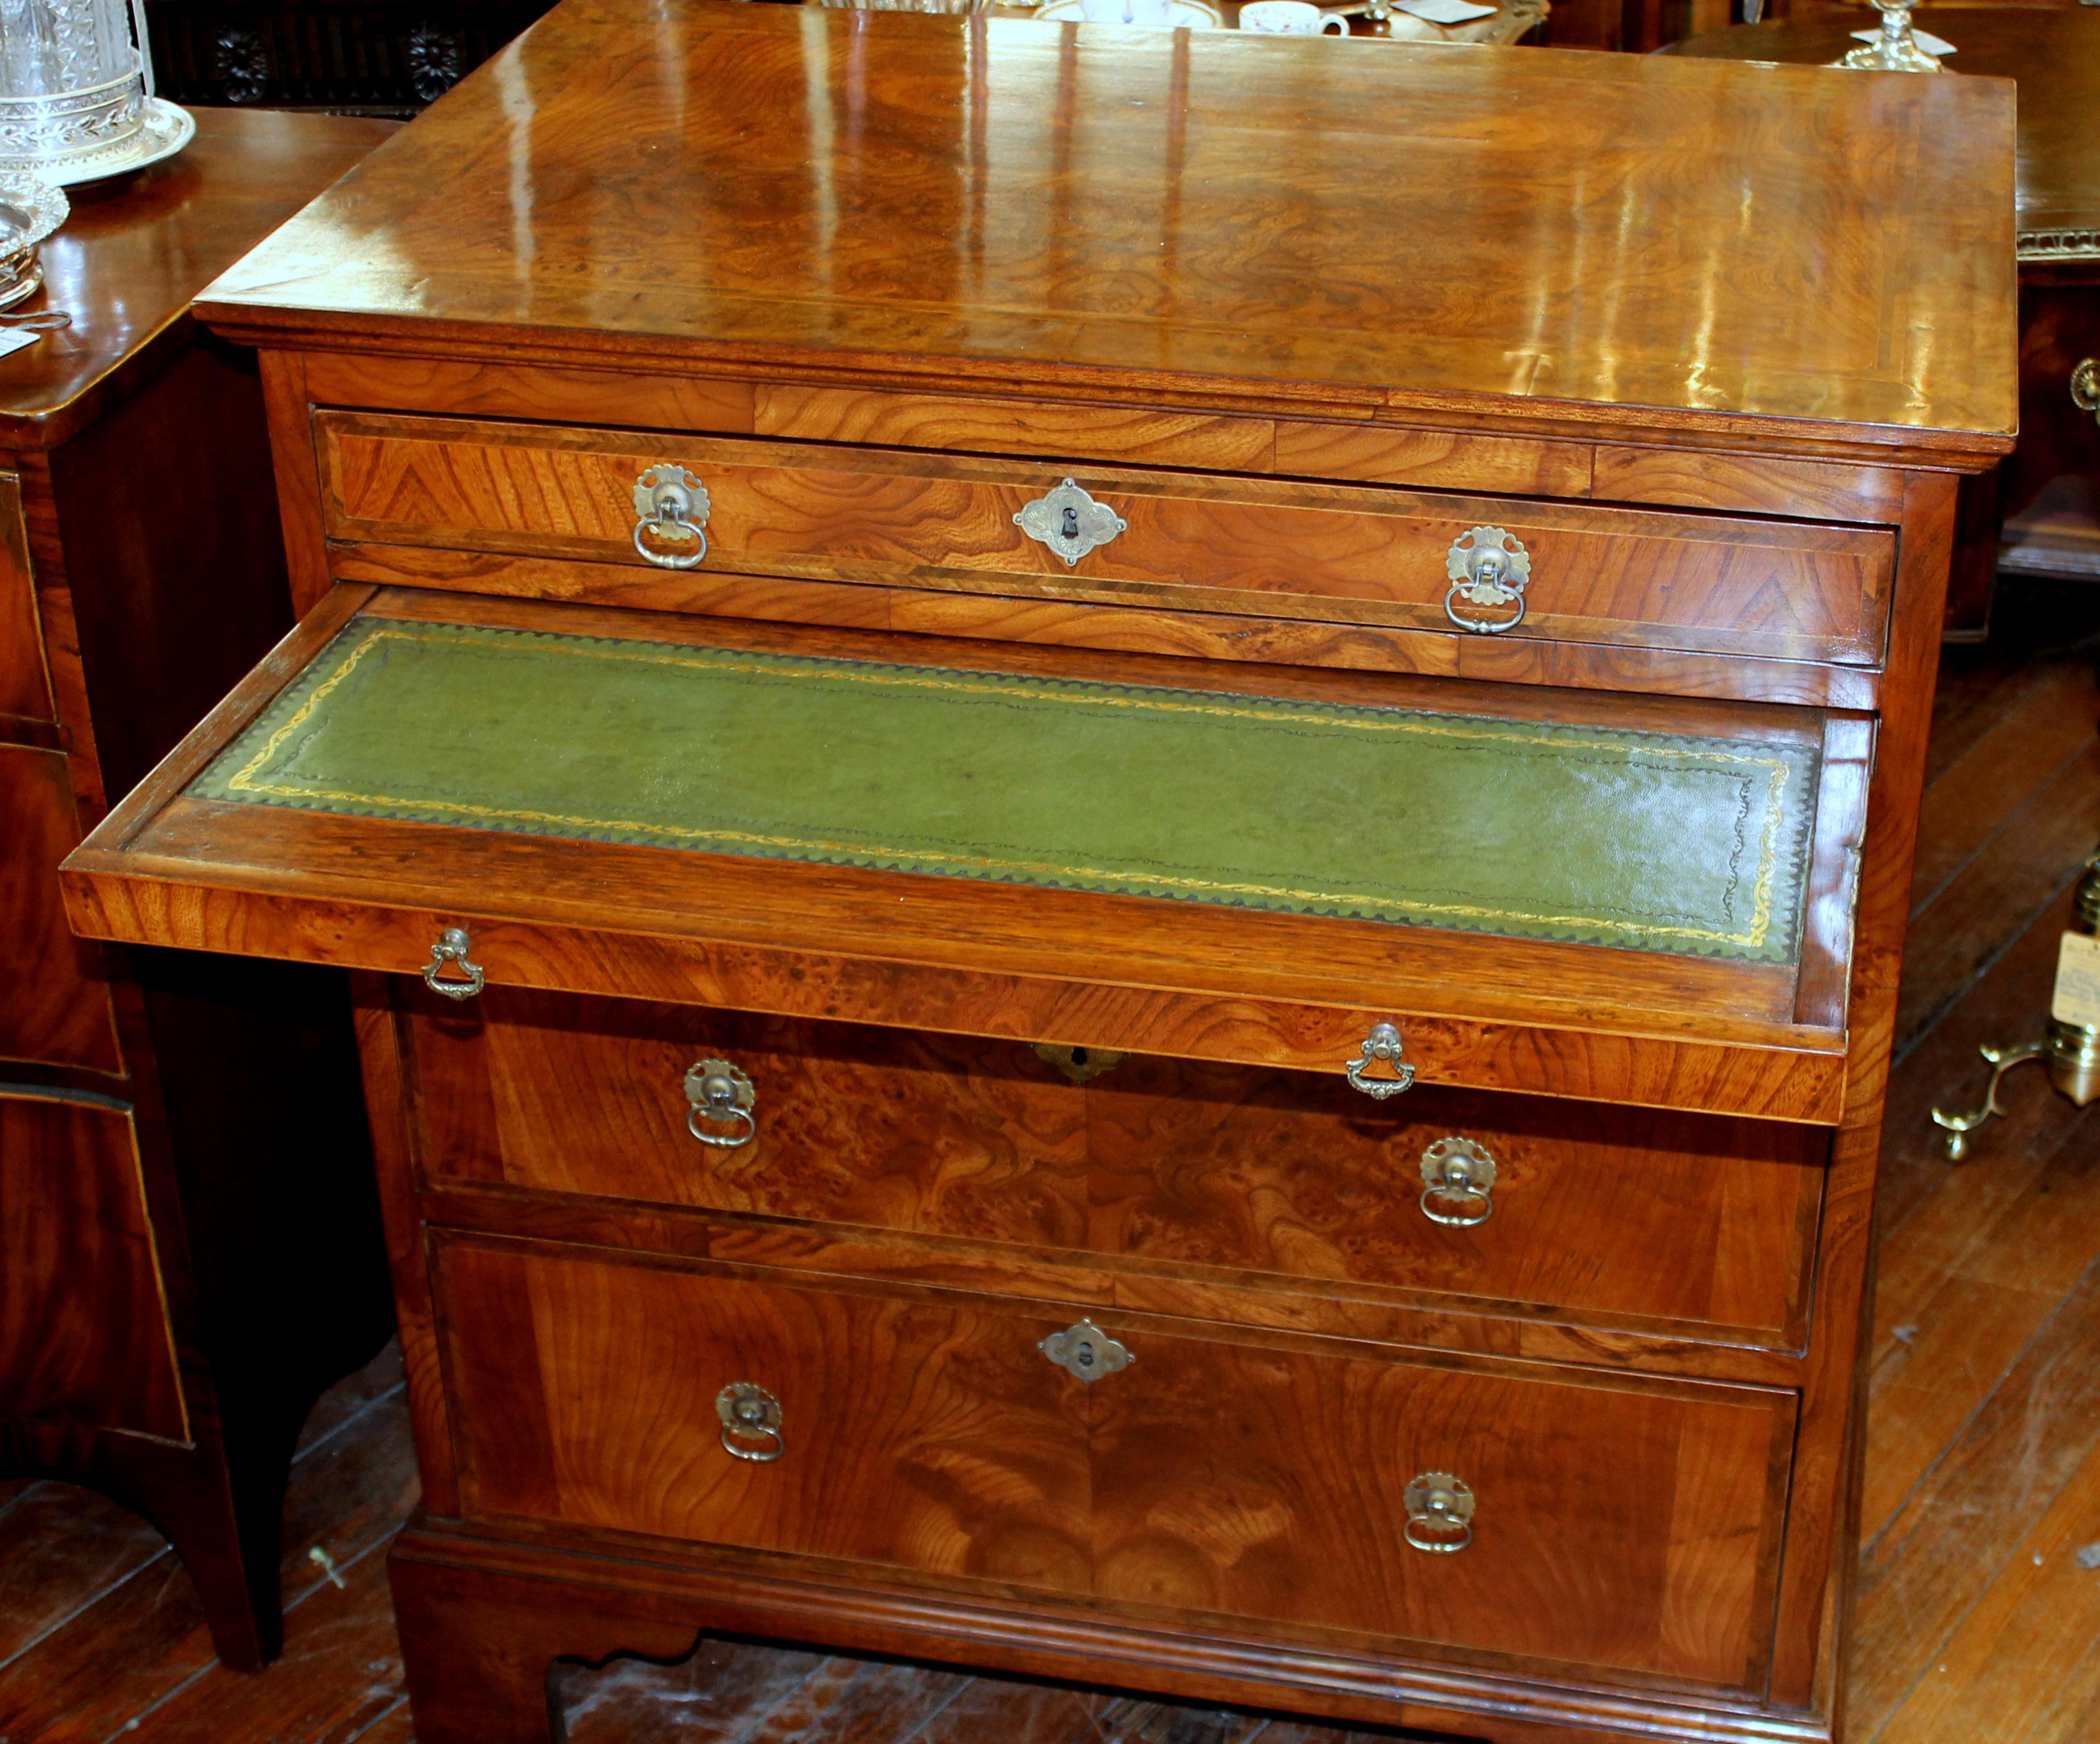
(1070, 522)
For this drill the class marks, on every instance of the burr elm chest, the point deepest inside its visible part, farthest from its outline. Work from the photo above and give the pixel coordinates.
(1125, 818)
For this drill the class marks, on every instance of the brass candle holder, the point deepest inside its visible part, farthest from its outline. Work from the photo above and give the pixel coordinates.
(2071, 1049)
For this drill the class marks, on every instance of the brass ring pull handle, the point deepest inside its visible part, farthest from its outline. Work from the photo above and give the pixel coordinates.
(2086, 385)
(1488, 569)
(450, 952)
(1458, 1180)
(1070, 522)
(671, 507)
(1384, 1044)
(720, 1095)
(1440, 1514)
(1085, 1353)
(750, 1420)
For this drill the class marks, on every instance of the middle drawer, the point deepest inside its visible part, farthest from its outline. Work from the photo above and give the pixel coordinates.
(1686, 1225)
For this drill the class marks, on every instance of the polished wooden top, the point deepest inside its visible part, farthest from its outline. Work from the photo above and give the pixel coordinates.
(2054, 52)
(135, 251)
(1086, 211)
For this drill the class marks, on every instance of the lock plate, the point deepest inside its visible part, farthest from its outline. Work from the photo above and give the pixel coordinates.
(1070, 522)
(1085, 1353)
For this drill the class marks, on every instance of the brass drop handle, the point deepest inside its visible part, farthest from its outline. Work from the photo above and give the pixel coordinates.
(751, 1422)
(450, 952)
(1458, 1180)
(1488, 569)
(1070, 522)
(719, 1094)
(2086, 385)
(670, 508)
(1440, 1514)
(1385, 1045)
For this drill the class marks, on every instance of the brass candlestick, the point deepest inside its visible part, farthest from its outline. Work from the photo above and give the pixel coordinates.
(1895, 49)
(2071, 1050)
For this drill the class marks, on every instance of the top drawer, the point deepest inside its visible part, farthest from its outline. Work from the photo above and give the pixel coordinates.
(1337, 553)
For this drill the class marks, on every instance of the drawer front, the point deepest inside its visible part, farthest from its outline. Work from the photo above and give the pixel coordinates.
(1329, 552)
(1627, 1527)
(1697, 1222)
(56, 1010)
(84, 1333)
(911, 1433)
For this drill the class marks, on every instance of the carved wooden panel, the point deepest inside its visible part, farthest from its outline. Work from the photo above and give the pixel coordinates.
(84, 1334)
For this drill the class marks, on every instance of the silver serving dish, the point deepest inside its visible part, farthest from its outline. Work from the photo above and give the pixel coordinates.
(30, 210)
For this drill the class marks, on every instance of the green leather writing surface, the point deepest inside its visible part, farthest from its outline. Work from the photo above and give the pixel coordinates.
(1652, 841)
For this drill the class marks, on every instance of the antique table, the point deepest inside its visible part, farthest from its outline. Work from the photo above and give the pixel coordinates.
(189, 1247)
(1126, 905)
(2040, 514)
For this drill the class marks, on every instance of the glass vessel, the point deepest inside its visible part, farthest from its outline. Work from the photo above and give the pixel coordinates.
(75, 85)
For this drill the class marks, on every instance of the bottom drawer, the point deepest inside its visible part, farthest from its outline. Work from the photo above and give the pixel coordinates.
(1620, 1524)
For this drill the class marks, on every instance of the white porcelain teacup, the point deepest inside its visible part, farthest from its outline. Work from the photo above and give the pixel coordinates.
(1124, 12)
(1290, 18)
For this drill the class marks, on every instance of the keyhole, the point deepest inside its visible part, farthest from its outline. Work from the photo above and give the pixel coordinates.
(1084, 1356)
(1071, 522)
(1079, 1056)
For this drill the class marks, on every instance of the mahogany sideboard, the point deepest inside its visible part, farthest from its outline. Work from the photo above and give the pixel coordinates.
(190, 1249)
(1125, 821)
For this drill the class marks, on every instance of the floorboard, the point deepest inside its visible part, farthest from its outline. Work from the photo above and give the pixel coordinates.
(1976, 1622)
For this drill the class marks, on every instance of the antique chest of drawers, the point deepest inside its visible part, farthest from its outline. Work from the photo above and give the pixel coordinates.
(1126, 820)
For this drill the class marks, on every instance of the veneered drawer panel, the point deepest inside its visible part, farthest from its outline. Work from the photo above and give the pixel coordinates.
(924, 1434)
(1334, 552)
(1609, 1215)
(25, 688)
(84, 1333)
(56, 1009)
(1631, 1527)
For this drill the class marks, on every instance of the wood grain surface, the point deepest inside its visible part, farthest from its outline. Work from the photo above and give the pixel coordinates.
(1644, 1543)
(84, 1338)
(1190, 1171)
(57, 1010)
(1088, 217)
(1767, 589)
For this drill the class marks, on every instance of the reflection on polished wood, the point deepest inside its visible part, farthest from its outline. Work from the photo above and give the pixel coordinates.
(2040, 513)
(885, 278)
(1070, 213)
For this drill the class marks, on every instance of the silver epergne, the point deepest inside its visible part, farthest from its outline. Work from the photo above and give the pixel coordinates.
(76, 101)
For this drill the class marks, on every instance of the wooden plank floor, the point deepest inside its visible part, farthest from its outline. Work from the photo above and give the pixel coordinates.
(1976, 1624)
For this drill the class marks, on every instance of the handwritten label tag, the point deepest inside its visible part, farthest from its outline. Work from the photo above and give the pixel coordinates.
(14, 338)
(2077, 981)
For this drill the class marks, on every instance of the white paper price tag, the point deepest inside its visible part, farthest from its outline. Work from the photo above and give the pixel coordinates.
(2077, 981)
(14, 338)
